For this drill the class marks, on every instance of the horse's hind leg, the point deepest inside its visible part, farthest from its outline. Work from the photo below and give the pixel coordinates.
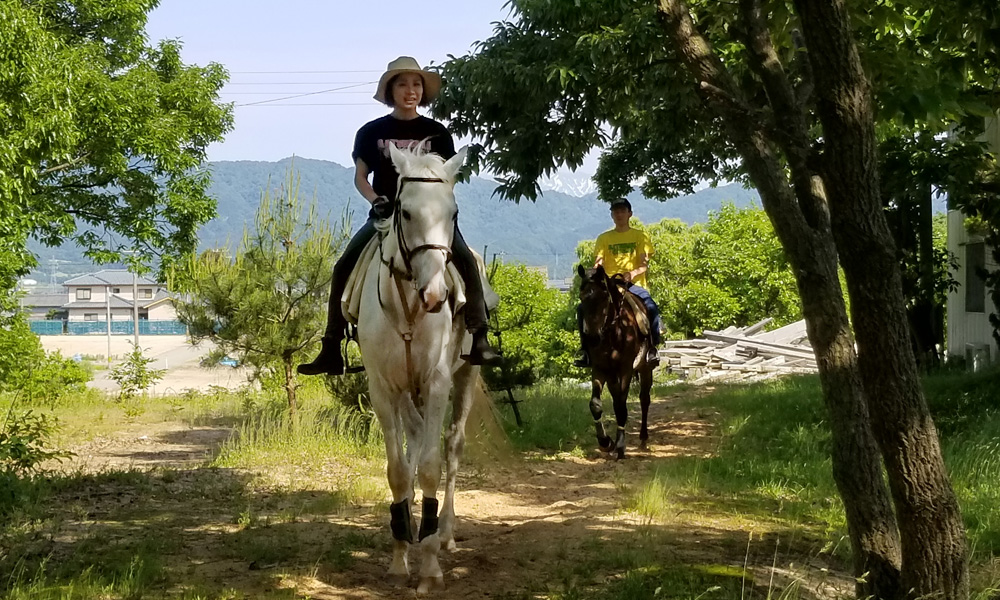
(597, 411)
(645, 384)
(464, 388)
(619, 394)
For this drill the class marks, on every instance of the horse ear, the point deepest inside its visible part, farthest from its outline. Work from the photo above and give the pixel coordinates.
(599, 272)
(453, 164)
(581, 271)
(398, 158)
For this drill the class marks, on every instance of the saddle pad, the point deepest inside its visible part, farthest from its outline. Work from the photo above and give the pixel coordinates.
(639, 309)
(351, 300)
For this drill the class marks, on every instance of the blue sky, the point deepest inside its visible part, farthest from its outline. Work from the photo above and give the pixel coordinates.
(295, 47)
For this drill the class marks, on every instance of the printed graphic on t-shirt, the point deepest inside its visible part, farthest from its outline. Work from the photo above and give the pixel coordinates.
(424, 145)
(626, 248)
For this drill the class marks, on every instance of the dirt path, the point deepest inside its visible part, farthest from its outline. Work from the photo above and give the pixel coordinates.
(521, 525)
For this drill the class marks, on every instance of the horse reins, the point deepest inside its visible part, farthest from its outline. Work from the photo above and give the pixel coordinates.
(399, 275)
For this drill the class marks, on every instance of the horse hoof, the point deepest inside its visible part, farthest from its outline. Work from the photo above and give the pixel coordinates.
(428, 584)
(620, 455)
(643, 446)
(606, 444)
(397, 579)
(450, 545)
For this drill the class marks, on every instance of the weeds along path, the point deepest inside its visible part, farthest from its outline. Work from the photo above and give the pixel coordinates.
(534, 526)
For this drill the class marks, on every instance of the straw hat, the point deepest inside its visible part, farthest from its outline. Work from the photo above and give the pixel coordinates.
(406, 64)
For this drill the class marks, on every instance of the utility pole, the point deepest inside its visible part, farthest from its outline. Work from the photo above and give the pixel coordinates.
(135, 306)
(107, 302)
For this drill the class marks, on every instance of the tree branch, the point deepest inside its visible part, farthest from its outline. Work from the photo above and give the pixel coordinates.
(747, 132)
(66, 165)
(791, 132)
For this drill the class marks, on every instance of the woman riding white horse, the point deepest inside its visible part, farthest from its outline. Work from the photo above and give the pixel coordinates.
(411, 340)
(404, 86)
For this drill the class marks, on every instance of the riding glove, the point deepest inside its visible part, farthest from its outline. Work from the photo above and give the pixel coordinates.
(381, 208)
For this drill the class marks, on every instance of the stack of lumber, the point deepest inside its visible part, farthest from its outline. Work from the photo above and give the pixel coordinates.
(741, 353)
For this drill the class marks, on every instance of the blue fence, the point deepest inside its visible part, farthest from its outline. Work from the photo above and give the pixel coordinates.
(101, 327)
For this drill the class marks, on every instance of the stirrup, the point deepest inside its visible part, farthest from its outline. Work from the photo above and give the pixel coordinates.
(347, 340)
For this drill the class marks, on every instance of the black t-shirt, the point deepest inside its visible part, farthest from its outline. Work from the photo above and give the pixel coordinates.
(372, 146)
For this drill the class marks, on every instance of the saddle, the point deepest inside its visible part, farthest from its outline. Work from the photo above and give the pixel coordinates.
(638, 307)
(351, 300)
(639, 310)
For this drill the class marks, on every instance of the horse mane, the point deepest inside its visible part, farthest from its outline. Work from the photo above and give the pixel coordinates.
(420, 163)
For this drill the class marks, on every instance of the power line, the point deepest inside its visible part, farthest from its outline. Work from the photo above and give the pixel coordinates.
(303, 95)
(300, 72)
(285, 92)
(256, 105)
(299, 82)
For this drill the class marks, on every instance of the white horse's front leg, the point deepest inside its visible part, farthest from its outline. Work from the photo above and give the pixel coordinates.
(429, 475)
(400, 476)
(464, 387)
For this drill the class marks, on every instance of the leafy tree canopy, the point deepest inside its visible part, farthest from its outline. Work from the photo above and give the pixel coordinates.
(101, 134)
(561, 77)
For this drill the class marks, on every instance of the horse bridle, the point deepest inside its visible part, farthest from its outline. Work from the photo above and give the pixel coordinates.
(614, 307)
(404, 250)
(398, 276)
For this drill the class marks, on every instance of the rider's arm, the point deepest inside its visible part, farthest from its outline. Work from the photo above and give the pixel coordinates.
(361, 172)
(642, 268)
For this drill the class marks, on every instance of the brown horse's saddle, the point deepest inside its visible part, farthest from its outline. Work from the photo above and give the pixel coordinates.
(639, 310)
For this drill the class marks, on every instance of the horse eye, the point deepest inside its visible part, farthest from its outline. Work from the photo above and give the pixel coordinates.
(406, 215)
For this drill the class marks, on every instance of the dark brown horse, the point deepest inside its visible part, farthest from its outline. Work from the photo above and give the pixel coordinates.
(617, 348)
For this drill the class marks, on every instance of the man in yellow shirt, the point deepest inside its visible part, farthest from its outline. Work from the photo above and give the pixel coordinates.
(626, 251)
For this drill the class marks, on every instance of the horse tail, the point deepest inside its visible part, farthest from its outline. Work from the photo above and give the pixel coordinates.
(485, 435)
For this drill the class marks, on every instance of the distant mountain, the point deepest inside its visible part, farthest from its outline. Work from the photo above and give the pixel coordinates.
(542, 233)
(571, 184)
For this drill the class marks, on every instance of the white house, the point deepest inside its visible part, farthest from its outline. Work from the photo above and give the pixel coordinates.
(970, 334)
(95, 296)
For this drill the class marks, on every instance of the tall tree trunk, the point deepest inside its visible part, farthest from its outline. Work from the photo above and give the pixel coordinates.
(801, 221)
(931, 530)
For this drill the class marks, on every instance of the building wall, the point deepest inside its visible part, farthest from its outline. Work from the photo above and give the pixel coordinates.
(117, 314)
(970, 334)
(98, 293)
(164, 311)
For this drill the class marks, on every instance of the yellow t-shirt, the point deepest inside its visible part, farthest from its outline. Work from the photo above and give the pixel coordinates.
(620, 252)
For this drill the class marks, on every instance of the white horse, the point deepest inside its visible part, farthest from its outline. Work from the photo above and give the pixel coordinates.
(411, 340)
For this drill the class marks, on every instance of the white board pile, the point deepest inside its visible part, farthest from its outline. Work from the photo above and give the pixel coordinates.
(741, 354)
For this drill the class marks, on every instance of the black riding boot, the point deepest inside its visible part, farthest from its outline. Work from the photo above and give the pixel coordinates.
(330, 359)
(481, 353)
(475, 303)
(652, 353)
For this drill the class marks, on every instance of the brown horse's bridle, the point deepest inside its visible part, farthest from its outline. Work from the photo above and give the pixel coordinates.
(614, 307)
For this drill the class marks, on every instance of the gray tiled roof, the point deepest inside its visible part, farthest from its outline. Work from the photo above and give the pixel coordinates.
(119, 277)
(43, 300)
(116, 302)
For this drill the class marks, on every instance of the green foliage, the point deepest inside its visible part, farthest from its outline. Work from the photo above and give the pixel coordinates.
(558, 75)
(133, 374)
(101, 135)
(39, 377)
(266, 306)
(24, 438)
(731, 271)
(527, 325)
